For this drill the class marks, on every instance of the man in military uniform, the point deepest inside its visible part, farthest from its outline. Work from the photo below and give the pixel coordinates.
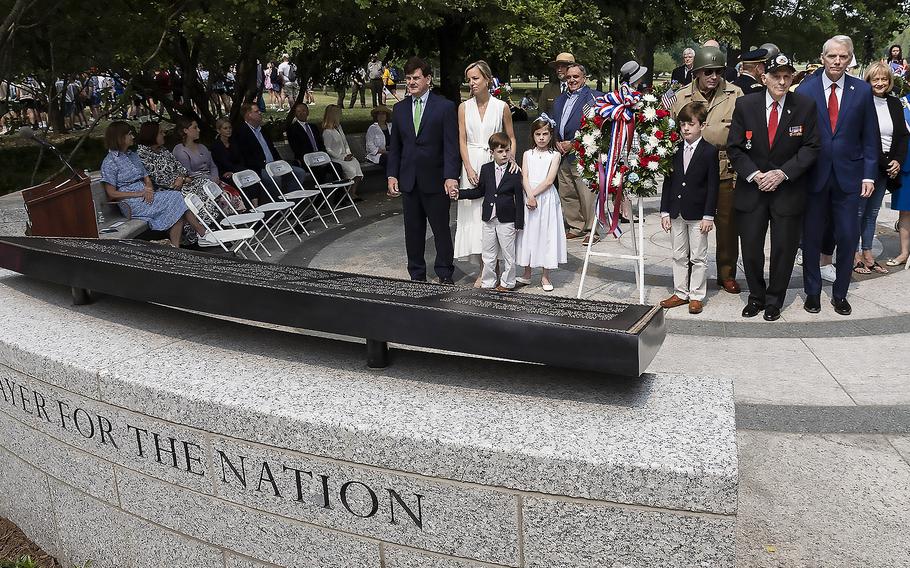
(750, 78)
(553, 89)
(710, 88)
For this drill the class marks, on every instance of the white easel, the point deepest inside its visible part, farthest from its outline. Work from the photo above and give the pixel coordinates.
(638, 245)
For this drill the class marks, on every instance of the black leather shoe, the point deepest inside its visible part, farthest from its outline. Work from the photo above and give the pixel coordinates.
(446, 281)
(812, 304)
(842, 306)
(752, 309)
(772, 313)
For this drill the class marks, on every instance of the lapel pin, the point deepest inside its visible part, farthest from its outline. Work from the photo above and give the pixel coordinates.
(788, 111)
(851, 87)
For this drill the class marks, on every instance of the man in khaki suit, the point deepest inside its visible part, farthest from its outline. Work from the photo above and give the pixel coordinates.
(709, 87)
(551, 90)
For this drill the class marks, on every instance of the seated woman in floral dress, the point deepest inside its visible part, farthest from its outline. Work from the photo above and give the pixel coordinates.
(168, 173)
(126, 182)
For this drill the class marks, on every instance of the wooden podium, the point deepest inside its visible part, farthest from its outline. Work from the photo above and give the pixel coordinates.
(62, 207)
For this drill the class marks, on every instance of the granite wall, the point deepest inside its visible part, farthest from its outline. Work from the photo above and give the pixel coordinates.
(135, 435)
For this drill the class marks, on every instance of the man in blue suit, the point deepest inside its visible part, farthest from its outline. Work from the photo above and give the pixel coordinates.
(423, 168)
(844, 172)
(575, 195)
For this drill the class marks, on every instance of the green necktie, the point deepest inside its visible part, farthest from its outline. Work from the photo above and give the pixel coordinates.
(418, 113)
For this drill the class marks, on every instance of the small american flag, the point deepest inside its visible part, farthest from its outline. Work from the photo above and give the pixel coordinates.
(668, 99)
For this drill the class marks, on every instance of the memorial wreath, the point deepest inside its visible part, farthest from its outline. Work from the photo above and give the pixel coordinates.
(625, 143)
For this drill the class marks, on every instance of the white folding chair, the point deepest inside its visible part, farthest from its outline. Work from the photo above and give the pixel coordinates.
(320, 159)
(232, 218)
(223, 236)
(305, 199)
(278, 211)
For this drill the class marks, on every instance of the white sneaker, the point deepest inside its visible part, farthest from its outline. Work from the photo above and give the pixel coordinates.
(799, 257)
(208, 240)
(829, 273)
(522, 280)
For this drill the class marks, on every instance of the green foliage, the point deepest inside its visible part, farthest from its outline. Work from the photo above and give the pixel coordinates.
(663, 63)
(21, 562)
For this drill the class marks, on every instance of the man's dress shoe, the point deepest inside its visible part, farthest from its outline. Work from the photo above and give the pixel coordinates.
(752, 309)
(812, 304)
(731, 286)
(772, 313)
(841, 306)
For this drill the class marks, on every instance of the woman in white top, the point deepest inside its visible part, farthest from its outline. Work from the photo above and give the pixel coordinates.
(336, 146)
(478, 118)
(892, 153)
(378, 135)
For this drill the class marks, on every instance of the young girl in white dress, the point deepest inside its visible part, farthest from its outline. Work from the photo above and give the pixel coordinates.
(542, 244)
(478, 118)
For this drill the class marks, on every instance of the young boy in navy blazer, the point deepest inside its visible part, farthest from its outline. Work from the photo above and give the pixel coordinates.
(688, 203)
(502, 213)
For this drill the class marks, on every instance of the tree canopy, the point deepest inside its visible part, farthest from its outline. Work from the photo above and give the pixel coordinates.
(62, 38)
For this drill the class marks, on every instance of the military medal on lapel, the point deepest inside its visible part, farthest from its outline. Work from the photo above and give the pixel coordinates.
(748, 139)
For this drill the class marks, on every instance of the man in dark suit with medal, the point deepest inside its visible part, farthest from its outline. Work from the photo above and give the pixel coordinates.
(773, 142)
(423, 168)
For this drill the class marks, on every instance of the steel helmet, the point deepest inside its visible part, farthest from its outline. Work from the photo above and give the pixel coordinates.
(773, 50)
(709, 58)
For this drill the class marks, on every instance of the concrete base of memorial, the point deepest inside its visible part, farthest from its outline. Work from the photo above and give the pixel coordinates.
(137, 435)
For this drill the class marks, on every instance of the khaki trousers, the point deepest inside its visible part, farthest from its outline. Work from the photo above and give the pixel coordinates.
(689, 245)
(726, 235)
(576, 198)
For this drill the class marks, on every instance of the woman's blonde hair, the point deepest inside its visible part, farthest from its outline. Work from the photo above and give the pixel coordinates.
(332, 117)
(484, 69)
(879, 68)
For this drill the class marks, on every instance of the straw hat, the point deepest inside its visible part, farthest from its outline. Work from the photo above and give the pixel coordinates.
(379, 109)
(564, 57)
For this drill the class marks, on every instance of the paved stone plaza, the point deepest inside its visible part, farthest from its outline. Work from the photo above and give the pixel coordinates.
(822, 402)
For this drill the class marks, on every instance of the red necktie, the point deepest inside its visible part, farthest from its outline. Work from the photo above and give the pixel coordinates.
(832, 107)
(772, 123)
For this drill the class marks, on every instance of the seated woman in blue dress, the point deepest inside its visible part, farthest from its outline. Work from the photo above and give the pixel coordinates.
(126, 182)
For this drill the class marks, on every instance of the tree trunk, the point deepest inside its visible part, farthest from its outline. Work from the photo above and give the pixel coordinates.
(448, 38)
(646, 46)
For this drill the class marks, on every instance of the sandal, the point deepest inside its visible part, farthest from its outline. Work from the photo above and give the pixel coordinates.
(894, 262)
(861, 268)
(877, 268)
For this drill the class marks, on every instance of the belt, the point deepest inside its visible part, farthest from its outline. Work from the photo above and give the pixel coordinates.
(478, 146)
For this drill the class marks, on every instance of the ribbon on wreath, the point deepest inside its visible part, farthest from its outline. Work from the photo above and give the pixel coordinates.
(619, 108)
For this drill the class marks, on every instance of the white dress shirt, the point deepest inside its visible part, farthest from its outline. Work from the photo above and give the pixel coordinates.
(769, 100)
(838, 92)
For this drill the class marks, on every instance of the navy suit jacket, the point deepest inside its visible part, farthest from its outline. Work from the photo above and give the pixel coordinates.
(573, 122)
(300, 143)
(850, 153)
(424, 160)
(508, 195)
(692, 193)
(250, 149)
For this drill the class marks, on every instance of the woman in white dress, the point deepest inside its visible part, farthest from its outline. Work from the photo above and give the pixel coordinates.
(478, 118)
(336, 146)
(542, 243)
